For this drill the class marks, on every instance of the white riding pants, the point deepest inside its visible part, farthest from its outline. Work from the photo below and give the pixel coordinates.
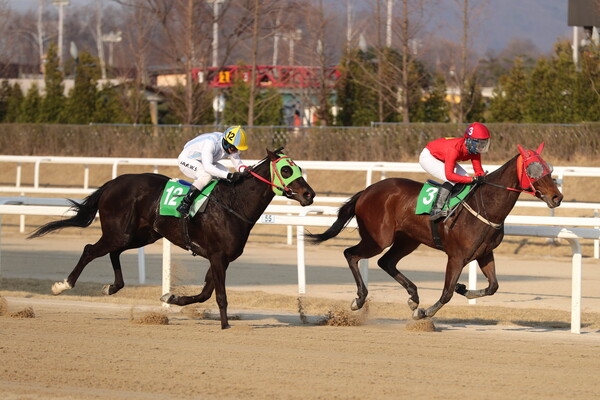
(193, 169)
(437, 167)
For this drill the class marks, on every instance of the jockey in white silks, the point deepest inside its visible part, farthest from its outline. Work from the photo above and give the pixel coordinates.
(200, 158)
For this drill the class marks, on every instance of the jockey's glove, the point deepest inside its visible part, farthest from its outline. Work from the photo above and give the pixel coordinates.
(234, 176)
(478, 179)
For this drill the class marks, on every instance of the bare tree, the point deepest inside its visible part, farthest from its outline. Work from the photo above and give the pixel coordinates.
(466, 69)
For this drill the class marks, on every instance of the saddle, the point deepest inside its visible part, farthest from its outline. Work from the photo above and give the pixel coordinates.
(428, 196)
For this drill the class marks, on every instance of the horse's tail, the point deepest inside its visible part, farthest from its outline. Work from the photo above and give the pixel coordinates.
(86, 212)
(345, 214)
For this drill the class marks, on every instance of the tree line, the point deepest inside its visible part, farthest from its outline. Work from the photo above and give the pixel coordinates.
(388, 72)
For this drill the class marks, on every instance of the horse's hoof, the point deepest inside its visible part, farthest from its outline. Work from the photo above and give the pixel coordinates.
(223, 327)
(167, 298)
(412, 304)
(419, 313)
(60, 287)
(460, 289)
(355, 305)
(106, 290)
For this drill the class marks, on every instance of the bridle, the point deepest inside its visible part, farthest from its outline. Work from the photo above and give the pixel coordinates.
(282, 188)
(530, 168)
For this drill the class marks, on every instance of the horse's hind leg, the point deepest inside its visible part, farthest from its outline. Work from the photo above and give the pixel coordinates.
(118, 283)
(364, 249)
(90, 252)
(402, 247)
(488, 267)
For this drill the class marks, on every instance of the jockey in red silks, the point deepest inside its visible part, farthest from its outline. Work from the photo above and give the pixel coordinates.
(440, 158)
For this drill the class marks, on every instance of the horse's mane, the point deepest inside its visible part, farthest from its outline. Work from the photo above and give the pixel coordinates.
(501, 170)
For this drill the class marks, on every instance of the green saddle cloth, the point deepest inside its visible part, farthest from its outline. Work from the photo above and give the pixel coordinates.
(428, 195)
(174, 192)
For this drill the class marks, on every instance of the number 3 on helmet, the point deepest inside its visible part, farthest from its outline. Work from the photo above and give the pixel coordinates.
(477, 138)
(235, 136)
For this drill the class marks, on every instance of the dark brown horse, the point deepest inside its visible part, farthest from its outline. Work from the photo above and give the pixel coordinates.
(128, 207)
(385, 213)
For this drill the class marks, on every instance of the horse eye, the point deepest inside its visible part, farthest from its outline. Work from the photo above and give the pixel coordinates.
(535, 170)
(286, 171)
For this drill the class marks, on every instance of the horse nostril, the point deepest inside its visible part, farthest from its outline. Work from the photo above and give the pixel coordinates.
(557, 199)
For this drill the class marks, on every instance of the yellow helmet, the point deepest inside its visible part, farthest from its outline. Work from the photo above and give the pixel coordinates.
(235, 136)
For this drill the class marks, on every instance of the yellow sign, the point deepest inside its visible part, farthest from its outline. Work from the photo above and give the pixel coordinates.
(224, 77)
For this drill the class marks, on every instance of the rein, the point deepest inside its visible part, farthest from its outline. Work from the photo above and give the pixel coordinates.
(225, 207)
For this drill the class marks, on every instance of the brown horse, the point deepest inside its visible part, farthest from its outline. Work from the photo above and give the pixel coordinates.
(129, 215)
(385, 213)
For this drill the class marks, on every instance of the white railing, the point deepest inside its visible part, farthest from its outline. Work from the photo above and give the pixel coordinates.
(369, 167)
(574, 230)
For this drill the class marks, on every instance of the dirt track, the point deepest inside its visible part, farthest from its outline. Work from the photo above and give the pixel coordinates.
(85, 350)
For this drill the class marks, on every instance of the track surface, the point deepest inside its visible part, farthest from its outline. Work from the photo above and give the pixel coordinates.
(78, 350)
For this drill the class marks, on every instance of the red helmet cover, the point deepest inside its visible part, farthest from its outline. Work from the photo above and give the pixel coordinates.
(477, 130)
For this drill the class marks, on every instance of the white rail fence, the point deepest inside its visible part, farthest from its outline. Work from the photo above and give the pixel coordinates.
(571, 229)
(369, 167)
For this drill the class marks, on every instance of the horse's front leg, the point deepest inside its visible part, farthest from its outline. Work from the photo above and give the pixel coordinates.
(453, 270)
(204, 295)
(488, 267)
(219, 265)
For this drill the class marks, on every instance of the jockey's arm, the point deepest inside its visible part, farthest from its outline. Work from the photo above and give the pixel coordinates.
(238, 165)
(208, 163)
(449, 166)
(476, 161)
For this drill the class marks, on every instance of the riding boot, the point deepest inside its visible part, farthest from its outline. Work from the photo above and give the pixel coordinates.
(437, 212)
(186, 203)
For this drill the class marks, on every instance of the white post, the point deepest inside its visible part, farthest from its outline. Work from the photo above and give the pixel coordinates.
(86, 177)
(596, 242)
(18, 177)
(141, 266)
(473, 265)
(576, 287)
(166, 269)
(301, 261)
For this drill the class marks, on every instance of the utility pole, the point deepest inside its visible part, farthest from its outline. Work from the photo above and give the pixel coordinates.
(276, 37)
(215, 38)
(348, 23)
(60, 4)
(388, 25)
(291, 37)
(111, 38)
(40, 30)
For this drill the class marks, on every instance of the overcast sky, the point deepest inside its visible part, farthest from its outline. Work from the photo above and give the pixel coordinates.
(541, 21)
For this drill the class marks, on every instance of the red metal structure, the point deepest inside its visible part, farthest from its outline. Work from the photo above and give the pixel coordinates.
(269, 76)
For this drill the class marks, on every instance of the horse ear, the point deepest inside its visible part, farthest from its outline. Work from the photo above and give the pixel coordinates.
(522, 151)
(540, 148)
(272, 156)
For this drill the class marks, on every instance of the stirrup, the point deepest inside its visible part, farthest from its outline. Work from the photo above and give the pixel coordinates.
(438, 215)
(184, 210)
